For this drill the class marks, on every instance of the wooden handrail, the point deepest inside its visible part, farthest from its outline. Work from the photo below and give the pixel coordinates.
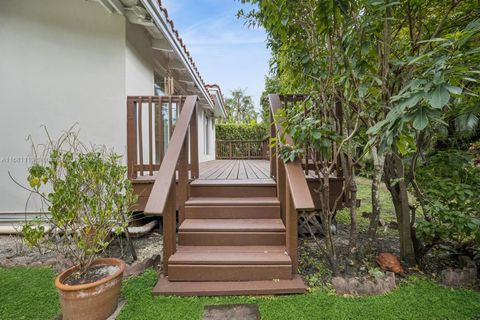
(166, 196)
(292, 187)
(161, 188)
(302, 199)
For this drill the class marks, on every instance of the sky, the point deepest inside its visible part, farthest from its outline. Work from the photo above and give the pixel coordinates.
(226, 52)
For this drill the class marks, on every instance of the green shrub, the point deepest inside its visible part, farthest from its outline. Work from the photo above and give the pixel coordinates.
(450, 185)
(88, 197)
(241, 131)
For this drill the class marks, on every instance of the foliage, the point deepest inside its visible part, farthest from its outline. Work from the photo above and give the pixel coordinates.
(406, 69)
(240, 108)
(241, 131)
(305, 131)
(408, 302)
(475, 150)
(449, 183)
(443, 74)
(87, 194)
(272, 85)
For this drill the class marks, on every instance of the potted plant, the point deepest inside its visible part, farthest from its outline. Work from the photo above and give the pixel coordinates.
(87, 199)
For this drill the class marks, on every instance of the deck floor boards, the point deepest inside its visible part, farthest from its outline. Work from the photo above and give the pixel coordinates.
(235, 170)
(226, 170)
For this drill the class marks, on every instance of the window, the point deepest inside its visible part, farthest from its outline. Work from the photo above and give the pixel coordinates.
(206, 133)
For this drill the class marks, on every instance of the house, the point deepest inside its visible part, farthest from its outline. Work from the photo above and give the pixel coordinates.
(120, 70)
(76, 61)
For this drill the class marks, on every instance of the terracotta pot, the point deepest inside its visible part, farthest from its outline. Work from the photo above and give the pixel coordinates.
(93, 301)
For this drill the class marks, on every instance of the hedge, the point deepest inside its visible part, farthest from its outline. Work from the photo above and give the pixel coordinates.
(241, 131)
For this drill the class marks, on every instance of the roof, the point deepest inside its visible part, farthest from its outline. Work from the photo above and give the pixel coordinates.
(219, 102)
(214, 90)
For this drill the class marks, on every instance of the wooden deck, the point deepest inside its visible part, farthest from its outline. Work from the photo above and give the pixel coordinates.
(235, 170)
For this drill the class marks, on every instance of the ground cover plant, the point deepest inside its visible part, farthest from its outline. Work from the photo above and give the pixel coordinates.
(415, 299)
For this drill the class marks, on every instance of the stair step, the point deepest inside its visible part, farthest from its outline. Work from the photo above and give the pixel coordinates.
(234, 225)
(229, 288)
(232, 201)
(232, 212)
(234, 272)
(230, 255)
(233, 190)
(231, 238)
(232, 182)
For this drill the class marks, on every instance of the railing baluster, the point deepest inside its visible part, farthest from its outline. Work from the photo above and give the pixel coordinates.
(161, 131)
(170, 117)
(140, 135)
(150, 136)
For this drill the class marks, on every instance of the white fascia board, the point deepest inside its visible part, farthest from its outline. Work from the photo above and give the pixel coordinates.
(154, 10)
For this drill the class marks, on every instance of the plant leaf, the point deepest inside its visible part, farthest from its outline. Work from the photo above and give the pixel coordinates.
(439, 97)
(421, 120)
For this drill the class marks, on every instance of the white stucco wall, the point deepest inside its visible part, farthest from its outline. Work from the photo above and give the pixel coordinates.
(201, 137)
(64, 62)
(61, 62)
(139, 61)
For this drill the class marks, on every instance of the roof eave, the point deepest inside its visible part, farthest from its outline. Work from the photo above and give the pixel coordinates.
(160, 21)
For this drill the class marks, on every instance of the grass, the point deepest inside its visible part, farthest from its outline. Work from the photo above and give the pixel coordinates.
(30, 294)
(364, 193)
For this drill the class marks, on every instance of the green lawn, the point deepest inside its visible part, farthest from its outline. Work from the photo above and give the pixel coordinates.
(30, 294)
(364, 194)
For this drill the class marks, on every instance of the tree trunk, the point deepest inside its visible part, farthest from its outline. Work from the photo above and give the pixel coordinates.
(353, 213)
(395, 180)
(378, 162)
(326, 216)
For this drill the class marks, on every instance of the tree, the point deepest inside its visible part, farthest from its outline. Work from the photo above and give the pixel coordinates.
(272, 85)
(240, 108)
(403, 68)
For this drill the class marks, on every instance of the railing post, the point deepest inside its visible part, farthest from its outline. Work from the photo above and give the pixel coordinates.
(182, 192)
(273, 153)
(281, 186)
(291, 228)
(194, 144)
(248, 147)
(169, 227)
(230, 150)
(131, 139)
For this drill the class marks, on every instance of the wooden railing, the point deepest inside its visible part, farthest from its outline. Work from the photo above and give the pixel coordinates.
(170, 189)
(292, 188)
(242, 149)
(150, 124)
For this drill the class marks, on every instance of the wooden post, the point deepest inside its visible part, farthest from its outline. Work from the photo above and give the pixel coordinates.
(291, 228)
(273, 153)
(248, 147)
(194, 145)
(230, 150)
(182, 182)
(169, 227)
(131, 139)
(281, 186)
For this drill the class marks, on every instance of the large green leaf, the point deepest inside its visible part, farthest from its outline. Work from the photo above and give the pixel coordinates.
(420, 121)
(439, 97)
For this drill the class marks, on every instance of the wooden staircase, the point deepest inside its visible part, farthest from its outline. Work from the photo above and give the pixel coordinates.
(232, 239)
